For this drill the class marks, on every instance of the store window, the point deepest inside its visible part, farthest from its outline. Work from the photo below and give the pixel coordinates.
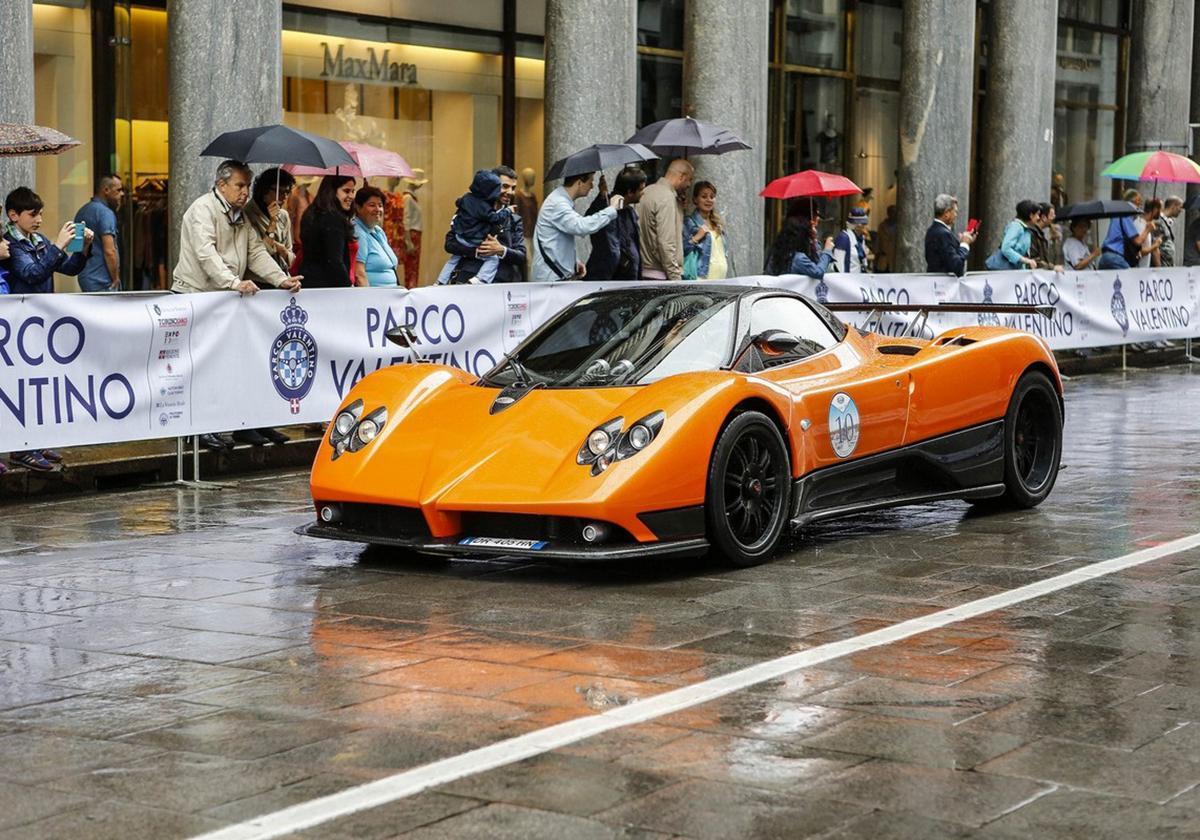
(874, 144)
(815, 33)
(1085, 109)
(660, 60)
(62, 68)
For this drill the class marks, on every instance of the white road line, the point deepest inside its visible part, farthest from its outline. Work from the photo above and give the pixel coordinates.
(409, 782)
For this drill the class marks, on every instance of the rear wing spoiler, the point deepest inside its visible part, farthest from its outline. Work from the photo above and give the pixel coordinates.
(917, 324)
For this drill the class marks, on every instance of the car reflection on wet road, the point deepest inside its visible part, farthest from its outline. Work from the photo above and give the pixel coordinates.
(177, 661)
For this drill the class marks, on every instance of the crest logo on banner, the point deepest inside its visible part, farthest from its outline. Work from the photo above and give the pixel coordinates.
(293, 357)
(822, 291)
(1117, 307)
(843, 424)
(988, 319)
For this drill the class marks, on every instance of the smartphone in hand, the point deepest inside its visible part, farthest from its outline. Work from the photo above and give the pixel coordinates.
(76, 243)
(972, 225)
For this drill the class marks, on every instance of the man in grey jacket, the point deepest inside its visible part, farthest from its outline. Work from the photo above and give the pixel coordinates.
(660, 219)
(217, 244)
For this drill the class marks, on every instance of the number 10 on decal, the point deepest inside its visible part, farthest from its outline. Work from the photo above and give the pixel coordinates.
(843, 424)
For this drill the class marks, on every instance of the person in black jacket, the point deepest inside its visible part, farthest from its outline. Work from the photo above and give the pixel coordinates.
(326, 230)
(508, 244)
(616, 253)
(946, 253)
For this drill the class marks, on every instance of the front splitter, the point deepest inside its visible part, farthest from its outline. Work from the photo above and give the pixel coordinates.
(562, 552)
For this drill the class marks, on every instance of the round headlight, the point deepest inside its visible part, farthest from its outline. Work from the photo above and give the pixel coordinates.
(598, 441)
(367, 430)
(344, 423)
(640, 436)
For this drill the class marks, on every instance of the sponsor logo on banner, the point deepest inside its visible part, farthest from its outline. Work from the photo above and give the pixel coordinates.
(843, 424)
(822, 291)
(293, 357)
(988, 319)
(1117, 308)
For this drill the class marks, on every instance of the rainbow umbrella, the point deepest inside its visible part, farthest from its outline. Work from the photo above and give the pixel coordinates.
(1154, 166)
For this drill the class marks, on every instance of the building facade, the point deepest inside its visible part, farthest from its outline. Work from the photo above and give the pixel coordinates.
(909, 98)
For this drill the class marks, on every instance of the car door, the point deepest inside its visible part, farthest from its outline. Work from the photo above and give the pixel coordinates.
(853, 406)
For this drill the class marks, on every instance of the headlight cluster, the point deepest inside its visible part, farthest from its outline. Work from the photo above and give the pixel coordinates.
(607, 443)
(350, 431)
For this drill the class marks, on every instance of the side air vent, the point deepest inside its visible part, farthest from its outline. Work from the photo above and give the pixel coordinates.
(956, 341)
(899, 350)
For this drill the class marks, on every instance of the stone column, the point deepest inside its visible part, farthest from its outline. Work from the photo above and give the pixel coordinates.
(1018, 122)
(725, 82)
(1159, 93)
(936, 85)
(1193, 190)
(226, 73)
(16, 92)
(591, 74)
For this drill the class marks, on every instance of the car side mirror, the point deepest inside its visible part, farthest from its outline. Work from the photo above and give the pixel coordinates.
(403, 336)
(776, 342)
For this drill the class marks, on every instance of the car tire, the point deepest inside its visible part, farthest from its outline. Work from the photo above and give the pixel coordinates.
(1032, 442)
(749, 488)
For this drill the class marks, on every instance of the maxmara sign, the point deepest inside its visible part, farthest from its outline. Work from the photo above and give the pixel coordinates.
(371, 68)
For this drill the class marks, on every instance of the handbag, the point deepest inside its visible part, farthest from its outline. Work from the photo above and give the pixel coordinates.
(691, 265)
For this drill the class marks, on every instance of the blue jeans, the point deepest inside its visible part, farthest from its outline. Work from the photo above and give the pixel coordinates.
(89, 284)
(1110, 260)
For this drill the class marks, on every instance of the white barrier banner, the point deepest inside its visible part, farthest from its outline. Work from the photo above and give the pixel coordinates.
(81, 369)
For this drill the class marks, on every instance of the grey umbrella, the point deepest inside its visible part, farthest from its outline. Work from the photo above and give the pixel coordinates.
(278, 144)
(597, 157)
(1103, 209)
(684, 136)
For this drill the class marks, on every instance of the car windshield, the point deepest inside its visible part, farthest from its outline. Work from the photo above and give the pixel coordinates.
(628, 338)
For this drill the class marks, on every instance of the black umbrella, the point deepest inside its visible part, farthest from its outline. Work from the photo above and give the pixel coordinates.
(684, 136)
(1096, 210)
(278, 144)
(597, 157)
(1193, 203)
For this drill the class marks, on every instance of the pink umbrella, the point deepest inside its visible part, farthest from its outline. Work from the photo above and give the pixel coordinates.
(371, 162)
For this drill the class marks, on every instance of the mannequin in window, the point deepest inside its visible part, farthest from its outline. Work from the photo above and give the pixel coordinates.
(830, 143)
(412, 226)
(526, 202)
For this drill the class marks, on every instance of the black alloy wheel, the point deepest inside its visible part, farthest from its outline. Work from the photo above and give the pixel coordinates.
(748, 489)
(1032, 441)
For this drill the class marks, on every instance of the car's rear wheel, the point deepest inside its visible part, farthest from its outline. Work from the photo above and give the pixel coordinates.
(1032, 443)
(748, 489)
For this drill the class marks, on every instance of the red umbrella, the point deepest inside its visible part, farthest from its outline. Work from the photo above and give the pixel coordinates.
(810, 184)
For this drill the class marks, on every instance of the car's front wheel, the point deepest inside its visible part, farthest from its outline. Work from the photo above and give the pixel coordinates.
(748, 489)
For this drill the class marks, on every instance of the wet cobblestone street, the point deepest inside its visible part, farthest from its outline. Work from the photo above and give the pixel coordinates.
(173, 661)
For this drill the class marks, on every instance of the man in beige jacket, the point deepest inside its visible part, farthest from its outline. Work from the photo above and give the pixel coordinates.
(217, 244)
(660, 223)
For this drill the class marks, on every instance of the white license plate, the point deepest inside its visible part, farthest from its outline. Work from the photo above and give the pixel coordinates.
(500, 542)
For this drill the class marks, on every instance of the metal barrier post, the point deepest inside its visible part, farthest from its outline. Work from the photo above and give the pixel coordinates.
(1187, 351)
(1123, 368)
(196, 482)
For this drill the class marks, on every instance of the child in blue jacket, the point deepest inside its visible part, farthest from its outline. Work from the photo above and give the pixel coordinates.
(34, 259)
(29, 269)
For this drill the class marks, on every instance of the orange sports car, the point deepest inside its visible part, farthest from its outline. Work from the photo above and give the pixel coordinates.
(674, 419)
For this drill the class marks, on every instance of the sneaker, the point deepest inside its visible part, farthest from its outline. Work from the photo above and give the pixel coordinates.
(51, 456)
(32, 461)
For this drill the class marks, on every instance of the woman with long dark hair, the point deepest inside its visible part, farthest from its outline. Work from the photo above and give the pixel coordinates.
(326, 232)
(795, 248)
(270, 221)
